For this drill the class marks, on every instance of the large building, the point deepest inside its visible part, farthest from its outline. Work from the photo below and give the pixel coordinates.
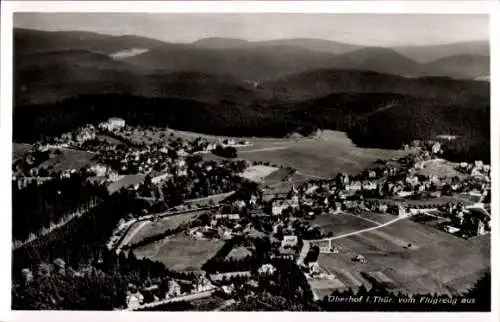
(112, 124)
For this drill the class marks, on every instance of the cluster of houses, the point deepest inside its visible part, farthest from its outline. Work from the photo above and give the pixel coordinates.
(137, 297)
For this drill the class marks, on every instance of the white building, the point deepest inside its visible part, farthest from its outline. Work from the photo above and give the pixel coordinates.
(289, 241)
(112, 124)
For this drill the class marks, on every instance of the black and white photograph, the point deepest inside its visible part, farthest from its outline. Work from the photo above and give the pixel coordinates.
(195, 161)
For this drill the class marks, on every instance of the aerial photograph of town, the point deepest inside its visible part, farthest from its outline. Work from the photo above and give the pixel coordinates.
(251, 162)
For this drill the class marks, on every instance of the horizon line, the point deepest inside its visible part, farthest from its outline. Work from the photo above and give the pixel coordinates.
(250, 41)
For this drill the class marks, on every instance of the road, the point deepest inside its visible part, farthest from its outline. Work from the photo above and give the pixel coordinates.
(144, 219)
(189, 297)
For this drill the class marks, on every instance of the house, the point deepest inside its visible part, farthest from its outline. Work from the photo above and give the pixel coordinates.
(227, 216)
(359, 258)
(354, 186)
(289, 241)
(314, 268)
(228, 289)
(227, 275)
(382, 208)
(159, 177)
(369, 185)
(404, 193)
(267, 269)
(134, 300)
(112, 124)
(174, 289)
(451, 229)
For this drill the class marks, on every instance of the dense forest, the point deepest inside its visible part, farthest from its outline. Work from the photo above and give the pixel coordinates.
(381, 120)
(93, 276)
(38, 207)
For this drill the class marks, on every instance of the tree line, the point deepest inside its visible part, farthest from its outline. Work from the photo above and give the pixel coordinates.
(381, 120)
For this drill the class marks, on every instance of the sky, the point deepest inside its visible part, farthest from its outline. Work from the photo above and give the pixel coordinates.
(362, 29)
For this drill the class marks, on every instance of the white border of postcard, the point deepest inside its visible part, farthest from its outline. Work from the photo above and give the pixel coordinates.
(462, 7)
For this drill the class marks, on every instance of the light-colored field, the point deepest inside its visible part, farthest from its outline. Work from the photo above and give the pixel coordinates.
(380, 218)
(126, 181)
(258, 172)
(323, 154)
(341, 223)
(110, 139)
(69, 159)
(239, 253)
(440, 168)
(180, 253)
(435, 262)
(150, 228)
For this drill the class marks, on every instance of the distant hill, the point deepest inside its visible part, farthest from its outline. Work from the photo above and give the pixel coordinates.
(318, 83)
(380, 60)
(320, 45)
(426, 54)
(32, 41)
(460, 66)
(257, 61)
(50, 77)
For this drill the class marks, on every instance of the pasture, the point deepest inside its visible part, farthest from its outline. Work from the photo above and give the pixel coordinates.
(19, 150)
(428, 265)
(322, 155)
(342, 223)
(258, 172)
(69, 159)
(180, 253)
(150, 228)
(440, 168)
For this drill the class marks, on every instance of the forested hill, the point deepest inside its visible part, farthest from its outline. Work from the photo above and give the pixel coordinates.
(384, 120)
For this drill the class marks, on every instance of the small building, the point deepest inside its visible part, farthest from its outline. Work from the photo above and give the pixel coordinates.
(289, 241)
(174, 289)
(134, 300)
(360, 259)
(267, 269)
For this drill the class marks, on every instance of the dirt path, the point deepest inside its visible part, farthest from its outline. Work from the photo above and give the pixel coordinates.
(363, 230)
(275, 148)
(365, 219)
(131, 235)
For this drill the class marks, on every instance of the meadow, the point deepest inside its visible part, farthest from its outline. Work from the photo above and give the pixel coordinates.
(180, 252)
(322, 155)
(411, 258)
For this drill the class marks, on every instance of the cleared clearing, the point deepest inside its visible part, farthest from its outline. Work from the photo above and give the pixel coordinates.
(150, 228)
(440, 168)
(180, 253)
(341, 223)
(69, 159)
(258, 172)
(435, 261)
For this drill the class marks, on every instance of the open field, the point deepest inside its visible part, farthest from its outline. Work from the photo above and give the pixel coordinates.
(19, 150)
(126, 181)
(239, 253)
(341, 223)
(258, 172)
(179, 252)
(69, 159)
(324, 154)
(110, 139)
(440, 168)
(380, 218)
(149, 228)
(428, 265)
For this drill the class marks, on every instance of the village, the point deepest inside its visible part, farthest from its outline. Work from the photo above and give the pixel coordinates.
(174, 180)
